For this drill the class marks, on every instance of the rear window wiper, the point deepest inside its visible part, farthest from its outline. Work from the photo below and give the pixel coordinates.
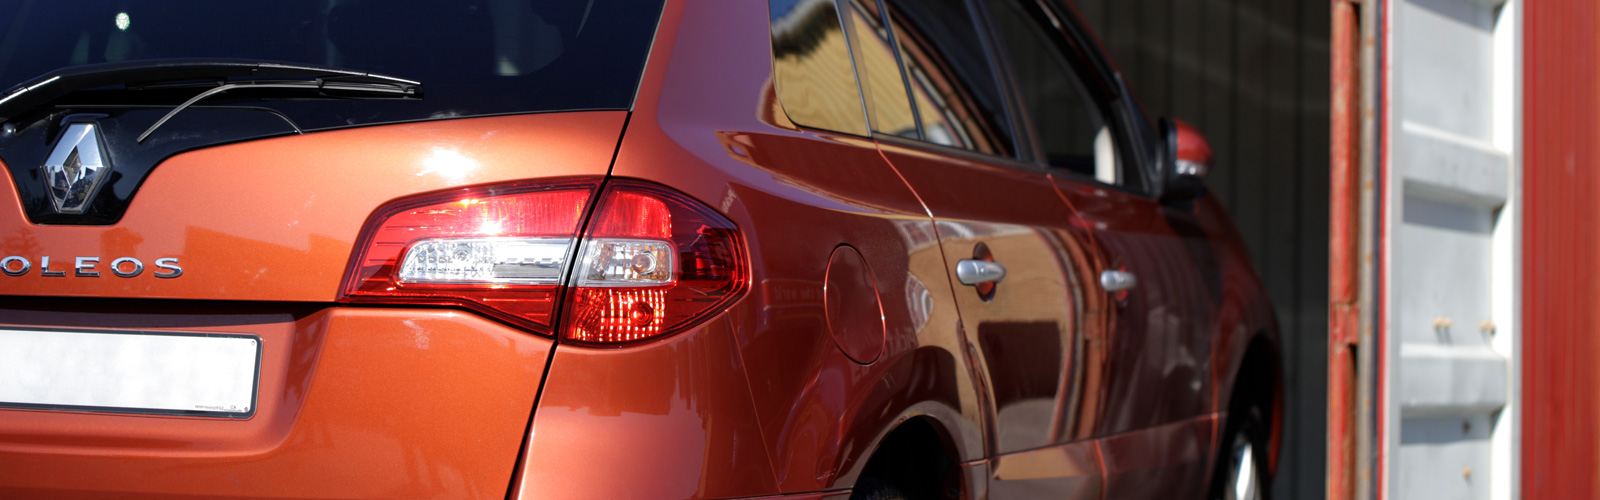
(216, 75)
(320, 87)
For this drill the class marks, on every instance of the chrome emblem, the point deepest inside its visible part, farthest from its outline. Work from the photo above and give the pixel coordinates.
(76, 168)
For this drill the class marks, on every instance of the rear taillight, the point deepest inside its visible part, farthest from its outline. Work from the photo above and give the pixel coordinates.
(501, 250)
(653, 262)
(620, 292)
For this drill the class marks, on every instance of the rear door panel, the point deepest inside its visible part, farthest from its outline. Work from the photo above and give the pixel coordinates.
(1160, 342)
(1154, 423)
(1025, 332)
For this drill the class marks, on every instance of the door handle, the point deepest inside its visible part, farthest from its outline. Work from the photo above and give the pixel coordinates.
(1116, 281)
(973, 272)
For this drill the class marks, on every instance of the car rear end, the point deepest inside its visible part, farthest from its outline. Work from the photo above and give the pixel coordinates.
(314, 292)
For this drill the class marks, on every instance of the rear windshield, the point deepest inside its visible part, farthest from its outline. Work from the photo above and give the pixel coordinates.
(473, 57)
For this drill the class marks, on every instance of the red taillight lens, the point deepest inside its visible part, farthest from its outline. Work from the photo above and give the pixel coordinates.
(501, 250)
(654, 262)
(621, 296)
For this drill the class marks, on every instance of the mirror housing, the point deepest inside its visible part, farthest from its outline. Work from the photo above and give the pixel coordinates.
(1185, 162)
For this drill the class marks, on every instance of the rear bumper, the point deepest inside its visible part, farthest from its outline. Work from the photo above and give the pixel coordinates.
(352, 403)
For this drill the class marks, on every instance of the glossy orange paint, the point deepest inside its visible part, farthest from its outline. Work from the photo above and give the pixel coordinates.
(280, 224)
(1164, 461)
(759, 401)
(1191, 298)
(673, 417)
(807, 192)
(1070, 470)
(339, 409)
(353, 403)
(855, 315)
(797, 194)
(1024, 333)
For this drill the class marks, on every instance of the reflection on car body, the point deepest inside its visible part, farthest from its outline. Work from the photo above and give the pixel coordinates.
(598, 249)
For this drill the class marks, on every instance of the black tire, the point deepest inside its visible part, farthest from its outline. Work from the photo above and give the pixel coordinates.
(874, 489)
(1244, 450)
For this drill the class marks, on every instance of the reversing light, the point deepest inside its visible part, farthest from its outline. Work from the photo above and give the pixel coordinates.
(501, 250)
(653, 261)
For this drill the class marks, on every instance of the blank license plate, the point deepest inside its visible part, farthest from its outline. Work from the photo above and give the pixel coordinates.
(130, 372)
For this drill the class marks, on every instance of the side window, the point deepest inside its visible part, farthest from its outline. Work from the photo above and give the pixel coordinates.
(888, 104)
(811, 66)
(1070, 124)
(952, 83)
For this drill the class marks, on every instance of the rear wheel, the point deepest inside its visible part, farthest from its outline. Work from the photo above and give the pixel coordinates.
(1241, 472)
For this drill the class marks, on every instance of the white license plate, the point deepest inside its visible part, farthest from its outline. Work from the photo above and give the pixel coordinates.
(130, 372)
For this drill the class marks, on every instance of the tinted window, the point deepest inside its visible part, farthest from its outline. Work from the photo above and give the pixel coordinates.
(1066, 118)
(952, 82)
(472, 56)
(811, 66)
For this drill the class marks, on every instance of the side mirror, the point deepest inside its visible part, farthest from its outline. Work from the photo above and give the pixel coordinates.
(1185, 162)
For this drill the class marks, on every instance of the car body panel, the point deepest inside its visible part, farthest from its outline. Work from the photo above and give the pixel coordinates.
(275, 219)
(1166, 461)
(664, 421)
(1026, 330)
(797, 195)
(353, 403)
(1053, 387)
(1246, 320)
(1159, 351)
(1068, 470)
(1161, 344)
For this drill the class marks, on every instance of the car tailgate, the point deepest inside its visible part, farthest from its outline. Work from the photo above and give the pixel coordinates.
(351, 403)
(275, 219)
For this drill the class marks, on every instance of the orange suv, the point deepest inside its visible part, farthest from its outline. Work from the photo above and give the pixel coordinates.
(606, 249)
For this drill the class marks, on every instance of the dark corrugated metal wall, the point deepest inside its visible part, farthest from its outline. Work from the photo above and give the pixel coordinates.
(1253, 76)
(1561, 250)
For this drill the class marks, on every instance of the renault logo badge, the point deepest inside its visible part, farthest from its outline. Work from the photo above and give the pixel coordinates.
(76, 168)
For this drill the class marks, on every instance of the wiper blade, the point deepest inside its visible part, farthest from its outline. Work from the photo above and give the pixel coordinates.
(55, 84)
(319, 87)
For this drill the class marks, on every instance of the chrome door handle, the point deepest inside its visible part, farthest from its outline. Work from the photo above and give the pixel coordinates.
(1116, 281)
(973, 272)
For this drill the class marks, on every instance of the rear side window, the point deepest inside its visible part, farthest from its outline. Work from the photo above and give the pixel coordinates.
(473, 57)
(811, 66)
(952, 83)
(888, 103)
(1069, 123)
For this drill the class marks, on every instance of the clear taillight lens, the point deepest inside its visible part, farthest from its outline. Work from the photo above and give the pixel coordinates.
(626, 263)
(653, 262)
(523, 261)
(502, 250)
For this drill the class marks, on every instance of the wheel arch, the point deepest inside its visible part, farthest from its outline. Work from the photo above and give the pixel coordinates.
(919, 455)
(1257, 379)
